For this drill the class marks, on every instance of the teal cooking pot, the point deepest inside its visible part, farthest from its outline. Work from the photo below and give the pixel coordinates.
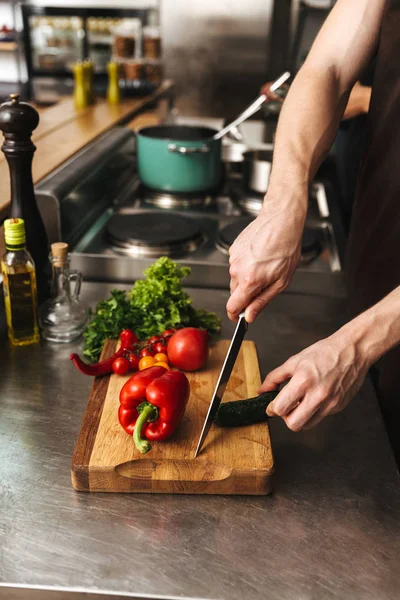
(179, 158)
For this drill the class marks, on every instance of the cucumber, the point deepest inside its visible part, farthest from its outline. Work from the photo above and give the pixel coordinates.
(244, 412)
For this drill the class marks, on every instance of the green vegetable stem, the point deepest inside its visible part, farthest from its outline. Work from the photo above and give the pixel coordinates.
(153, 305)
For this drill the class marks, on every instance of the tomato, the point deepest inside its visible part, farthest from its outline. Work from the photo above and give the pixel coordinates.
(188, 349)
(168, 332)
(120, 366)
(153, 339)
(161, 357)
(128, 338)
(160, 348)
(133, 362)
(163, 364)
(146, 352)
(146, 362)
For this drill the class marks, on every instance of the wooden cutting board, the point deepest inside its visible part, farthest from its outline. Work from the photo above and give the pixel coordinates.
(232, 461)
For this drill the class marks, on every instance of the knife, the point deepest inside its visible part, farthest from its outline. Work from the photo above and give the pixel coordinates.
(223, 378)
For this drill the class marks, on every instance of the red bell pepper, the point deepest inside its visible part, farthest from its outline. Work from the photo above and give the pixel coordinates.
(152, 403)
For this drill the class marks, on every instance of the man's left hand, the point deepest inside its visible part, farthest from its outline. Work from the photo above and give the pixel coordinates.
(323, 380)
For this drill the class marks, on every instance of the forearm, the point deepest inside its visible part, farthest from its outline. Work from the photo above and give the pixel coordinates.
(307, 127)
(317, 98)
(376, 331)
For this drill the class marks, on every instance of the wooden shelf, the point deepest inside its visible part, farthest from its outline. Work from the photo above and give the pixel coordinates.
(8, 46)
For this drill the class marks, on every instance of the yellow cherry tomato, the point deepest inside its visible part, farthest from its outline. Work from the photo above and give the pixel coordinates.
(163, 364)
(146, 362)
(161, 357)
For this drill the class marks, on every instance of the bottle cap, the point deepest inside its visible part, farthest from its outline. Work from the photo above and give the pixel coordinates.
(59, 253)
(14, 232)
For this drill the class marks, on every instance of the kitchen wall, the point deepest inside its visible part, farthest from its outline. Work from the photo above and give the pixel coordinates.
(217, 51)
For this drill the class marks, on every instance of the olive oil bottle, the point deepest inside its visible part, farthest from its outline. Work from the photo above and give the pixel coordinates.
(19, 286)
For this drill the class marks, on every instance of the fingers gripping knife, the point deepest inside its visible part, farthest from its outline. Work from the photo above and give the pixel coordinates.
(223, 378)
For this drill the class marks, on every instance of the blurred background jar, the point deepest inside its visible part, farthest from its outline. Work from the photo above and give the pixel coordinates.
(127, 39)
(151, 42)
(153, 71)
(134, 69)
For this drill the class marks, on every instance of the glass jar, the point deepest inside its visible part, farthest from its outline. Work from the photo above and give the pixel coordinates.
(127, 39)
(63, 318)
(151, 42)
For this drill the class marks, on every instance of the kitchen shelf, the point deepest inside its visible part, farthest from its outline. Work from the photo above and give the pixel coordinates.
(8, 46)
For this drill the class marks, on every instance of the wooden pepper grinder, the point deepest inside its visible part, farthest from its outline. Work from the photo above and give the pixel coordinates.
(17, 121)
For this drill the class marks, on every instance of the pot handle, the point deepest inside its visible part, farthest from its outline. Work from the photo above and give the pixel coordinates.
(188, 150)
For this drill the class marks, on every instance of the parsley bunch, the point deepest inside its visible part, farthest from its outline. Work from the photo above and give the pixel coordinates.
(152, 305)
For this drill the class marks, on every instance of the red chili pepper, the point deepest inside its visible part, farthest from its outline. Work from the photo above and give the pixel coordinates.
(153, 402)
(102, 368)
(127, 338)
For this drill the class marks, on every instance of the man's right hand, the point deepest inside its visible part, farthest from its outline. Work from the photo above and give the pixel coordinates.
(265, 256)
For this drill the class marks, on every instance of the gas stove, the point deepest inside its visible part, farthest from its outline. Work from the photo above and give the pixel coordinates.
(116, 227)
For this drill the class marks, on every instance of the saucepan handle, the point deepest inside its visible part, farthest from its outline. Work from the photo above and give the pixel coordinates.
(188, 150)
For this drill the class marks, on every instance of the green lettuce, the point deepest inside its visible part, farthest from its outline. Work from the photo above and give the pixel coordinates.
(154, 304)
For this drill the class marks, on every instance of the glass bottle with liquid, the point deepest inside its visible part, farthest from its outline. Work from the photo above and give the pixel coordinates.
(19, 286)
(63, 318)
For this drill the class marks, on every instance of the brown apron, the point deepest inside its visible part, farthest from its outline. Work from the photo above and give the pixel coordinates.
(373, 258)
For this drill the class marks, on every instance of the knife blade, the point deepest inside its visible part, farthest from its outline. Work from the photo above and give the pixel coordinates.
(223, 378)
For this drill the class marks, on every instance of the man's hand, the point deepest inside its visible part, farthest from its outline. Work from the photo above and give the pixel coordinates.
(265, 256)
(359, 101)
(323, 380)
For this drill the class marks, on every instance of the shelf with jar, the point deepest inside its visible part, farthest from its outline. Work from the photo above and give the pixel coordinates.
(138, 51)
(56, 42)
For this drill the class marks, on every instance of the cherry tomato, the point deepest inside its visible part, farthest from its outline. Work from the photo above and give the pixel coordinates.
(146, 352)
(120, 366)
(168, 332)
(160, 347)
(133, 362)
(162, 364)
(146, 362)
(128, 338)
(188, 349)
(153, 339)
(161, 357)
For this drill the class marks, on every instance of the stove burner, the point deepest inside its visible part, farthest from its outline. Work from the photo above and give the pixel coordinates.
(311, 245)
(173, 200)
(154, 234)
(228, 234)
(252, 204)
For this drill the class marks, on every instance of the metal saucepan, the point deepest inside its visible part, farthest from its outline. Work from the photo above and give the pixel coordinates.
(179, 158)
(233, 152)
(256, 170)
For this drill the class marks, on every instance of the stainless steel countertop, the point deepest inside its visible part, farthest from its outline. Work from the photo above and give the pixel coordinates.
(330, 530)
